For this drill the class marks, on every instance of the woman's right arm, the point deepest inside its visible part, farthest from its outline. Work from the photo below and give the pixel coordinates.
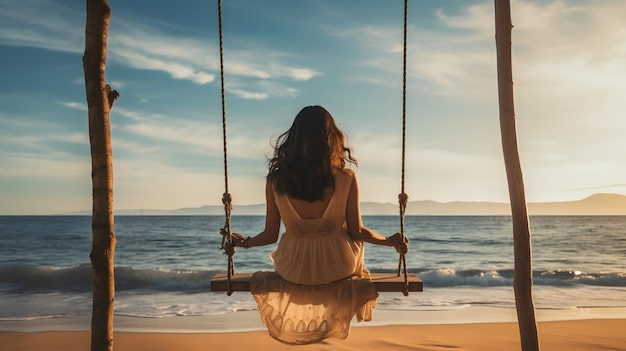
(361, 233)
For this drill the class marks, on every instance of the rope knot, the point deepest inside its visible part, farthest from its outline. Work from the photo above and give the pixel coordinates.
(225, 233)
(227, 200)
(403, 198)
(229, 248)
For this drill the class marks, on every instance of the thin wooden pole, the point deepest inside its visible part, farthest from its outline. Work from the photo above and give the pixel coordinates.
(523, 279)
(100, 99)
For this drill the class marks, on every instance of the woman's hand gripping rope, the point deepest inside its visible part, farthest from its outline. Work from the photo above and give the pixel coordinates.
(228, 244)
(237, 239)
(400, 243)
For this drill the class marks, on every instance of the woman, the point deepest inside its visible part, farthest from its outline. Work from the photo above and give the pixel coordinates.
(320, 255)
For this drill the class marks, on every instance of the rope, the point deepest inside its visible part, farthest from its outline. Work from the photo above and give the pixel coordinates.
(227, 237)
(403, 197)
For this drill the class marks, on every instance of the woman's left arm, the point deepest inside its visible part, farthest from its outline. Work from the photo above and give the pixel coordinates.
(269, 235)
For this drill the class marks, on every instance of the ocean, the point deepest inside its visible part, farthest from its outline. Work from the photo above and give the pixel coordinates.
(164, 264)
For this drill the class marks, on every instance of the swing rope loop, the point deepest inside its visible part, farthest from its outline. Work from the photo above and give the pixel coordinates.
(227, 237)
(402, 200)
(403, 197)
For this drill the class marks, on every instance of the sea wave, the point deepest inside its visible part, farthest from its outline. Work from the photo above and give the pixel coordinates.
(35, 279)
(25, 279)
(488, 278)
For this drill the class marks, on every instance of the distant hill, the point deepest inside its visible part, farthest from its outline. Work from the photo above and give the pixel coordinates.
(598, 204)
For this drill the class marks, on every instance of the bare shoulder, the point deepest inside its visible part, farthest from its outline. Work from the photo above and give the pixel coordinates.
(348, 175)
(348, 172)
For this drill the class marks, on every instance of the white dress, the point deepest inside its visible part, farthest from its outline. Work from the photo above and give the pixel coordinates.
(322, 282)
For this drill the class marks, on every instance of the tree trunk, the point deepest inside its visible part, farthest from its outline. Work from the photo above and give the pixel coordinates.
(100, 99)
(523, 279)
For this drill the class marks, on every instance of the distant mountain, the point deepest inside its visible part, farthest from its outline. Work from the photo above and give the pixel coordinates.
(251, 210)
(598, 204)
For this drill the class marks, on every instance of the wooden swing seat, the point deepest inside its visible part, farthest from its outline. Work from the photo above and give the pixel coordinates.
(384, 282)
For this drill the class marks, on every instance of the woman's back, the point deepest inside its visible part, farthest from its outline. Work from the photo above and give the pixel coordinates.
(312, 210)
(316, 248)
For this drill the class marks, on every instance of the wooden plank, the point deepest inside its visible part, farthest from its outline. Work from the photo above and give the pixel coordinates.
(384, 282)
(390, 282)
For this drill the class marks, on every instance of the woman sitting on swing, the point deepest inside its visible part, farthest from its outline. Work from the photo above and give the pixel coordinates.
(320, 256)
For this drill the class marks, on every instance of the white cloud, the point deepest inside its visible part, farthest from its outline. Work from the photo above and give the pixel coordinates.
(382, 39)
(180, 132)
(197, 60)
(75, 105)
(56, 165)
(52, 26)
(34, 134)
(178, 70)
(249, 94)
(77, 138)
(237, 67)
(262, 90)
(43, 24)
(569, 45)
(141, 150)
(197, 136)
(431, 172)
(162, 128)
(248, 59)
(134, 115)
(438, 61)
(300, 73)
(23, 140)
(478, 17)
(558, 49)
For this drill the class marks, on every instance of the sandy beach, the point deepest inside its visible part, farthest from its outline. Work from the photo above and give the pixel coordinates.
(474, 328)
(588, 335)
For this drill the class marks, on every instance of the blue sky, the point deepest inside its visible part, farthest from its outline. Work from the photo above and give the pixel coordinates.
(569, 73)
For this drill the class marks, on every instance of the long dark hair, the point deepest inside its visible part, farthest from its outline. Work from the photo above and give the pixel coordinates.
(306, 155)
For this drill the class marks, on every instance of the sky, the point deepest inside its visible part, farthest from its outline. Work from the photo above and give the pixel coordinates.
(569, 72)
